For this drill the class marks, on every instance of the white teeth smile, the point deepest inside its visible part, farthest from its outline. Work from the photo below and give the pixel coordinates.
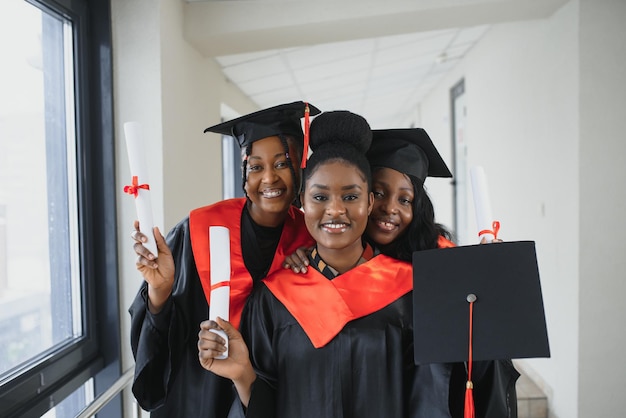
(386, 225)
(336, 227)
(272, 193)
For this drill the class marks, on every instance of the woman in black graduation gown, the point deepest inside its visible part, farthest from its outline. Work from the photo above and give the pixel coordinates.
(171, 303)
(401, 223)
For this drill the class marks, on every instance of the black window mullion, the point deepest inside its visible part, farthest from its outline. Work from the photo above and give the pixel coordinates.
(103, 236)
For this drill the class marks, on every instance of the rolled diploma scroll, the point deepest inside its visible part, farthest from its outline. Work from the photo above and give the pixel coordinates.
(219, 245)
(137, 161)
(482, 204)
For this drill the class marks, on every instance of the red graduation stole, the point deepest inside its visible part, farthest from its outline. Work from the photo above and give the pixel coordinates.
(445, 243)
(323, 307)
(227, 213)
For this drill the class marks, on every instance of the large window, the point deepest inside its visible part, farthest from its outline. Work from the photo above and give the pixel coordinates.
(39, 278)
(58, 292)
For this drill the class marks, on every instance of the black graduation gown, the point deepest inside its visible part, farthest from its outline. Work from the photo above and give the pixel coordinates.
(439, 390)
(169, 380)
(364, 371)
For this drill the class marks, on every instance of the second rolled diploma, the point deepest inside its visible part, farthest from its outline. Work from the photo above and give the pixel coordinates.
(219, 244)
(487, 226)
(140, 186)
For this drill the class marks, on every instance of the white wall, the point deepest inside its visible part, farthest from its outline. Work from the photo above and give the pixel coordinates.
(602, 174)
(162, 82)
(191, 102)
(544, 102)
(137, 97)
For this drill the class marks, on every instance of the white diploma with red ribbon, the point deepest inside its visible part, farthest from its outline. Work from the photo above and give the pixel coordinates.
(487, 226)
(219, 245)
(140, 186)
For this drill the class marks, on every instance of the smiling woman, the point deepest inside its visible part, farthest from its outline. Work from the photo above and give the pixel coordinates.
(403, 217)
(337, 195)
(336, 211)
(270, 183)
(394, 196)
(174, 299)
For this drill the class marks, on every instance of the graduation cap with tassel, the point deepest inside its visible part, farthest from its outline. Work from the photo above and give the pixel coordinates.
(478, 302)
(280, 119)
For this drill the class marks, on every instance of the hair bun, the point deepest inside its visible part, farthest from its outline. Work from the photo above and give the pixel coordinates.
(339, 128)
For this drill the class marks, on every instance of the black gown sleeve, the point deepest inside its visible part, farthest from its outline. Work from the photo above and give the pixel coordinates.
(256, 329)
(494, 381)
(159, 341)
(429, 395)
(494, 389)
(149, 346)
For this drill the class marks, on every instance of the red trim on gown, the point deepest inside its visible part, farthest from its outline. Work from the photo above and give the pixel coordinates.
(228, 214)
(445, 243)
(323, 307)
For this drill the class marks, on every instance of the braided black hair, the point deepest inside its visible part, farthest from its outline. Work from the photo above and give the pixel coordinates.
(296, 180)
(244, 167)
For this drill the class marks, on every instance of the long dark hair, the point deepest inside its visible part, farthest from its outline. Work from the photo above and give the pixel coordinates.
(422, 233)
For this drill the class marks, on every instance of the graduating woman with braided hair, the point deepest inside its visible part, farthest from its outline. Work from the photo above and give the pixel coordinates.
(172, 301)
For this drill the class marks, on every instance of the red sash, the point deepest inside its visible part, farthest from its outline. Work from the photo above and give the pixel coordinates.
(445, 243)
(228, 213)
(323, 307)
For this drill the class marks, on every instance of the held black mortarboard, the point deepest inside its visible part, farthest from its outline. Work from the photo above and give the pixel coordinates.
(408, 151)
(478, 302)
(282, 119)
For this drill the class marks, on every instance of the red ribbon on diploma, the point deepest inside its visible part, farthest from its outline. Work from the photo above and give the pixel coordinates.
(220, 284)
(496, 227)
(135, 186)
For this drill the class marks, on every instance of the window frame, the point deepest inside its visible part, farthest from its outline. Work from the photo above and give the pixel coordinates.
(56, 373)
(459, 205)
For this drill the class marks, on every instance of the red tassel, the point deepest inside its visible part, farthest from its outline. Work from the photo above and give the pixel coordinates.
(305, 149)
(469, 411)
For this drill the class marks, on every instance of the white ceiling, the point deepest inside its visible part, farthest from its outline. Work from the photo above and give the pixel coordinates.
(284, 49)
(380, 78)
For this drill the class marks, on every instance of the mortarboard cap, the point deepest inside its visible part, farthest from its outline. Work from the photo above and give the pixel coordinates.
(281, 119)
(408, 151)
(508, 319)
